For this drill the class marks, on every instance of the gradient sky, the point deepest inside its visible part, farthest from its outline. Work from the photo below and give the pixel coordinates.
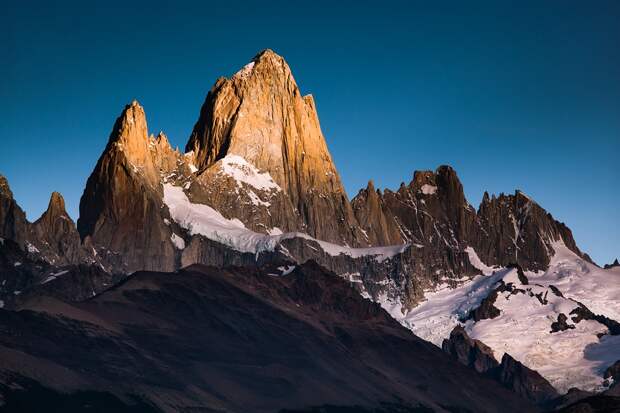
(511, 94)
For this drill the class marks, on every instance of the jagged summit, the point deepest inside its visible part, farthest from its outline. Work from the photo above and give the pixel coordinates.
(120, 209)
(56, 233)
(56, 207)
(4, 186)
(260, 116)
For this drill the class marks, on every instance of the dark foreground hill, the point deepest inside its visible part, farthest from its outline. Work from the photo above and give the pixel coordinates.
(230, 340)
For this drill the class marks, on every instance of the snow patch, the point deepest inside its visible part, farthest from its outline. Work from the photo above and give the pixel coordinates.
(242, 171)
(286, 270)
(428, 189)
(256, 200)
(477, 262)
(434, 318)
(245, 71)
(31, 248)
(204, 220)
(178, 242)
(275, 231)
(53, 276)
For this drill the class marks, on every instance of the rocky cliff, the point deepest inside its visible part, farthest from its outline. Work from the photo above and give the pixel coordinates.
(259, 119)
(432, 210)
(52, 238)
(121, 209)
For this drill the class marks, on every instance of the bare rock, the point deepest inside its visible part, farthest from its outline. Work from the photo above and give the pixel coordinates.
(260, 116)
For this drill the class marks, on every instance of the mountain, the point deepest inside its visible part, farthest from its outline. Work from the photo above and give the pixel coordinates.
(561, 322)
(120, 210)
(53, 237)
(234, 339)
(257, 187)
(259, 117)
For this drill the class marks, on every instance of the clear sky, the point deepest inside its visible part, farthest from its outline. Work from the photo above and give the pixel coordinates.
(522, 94)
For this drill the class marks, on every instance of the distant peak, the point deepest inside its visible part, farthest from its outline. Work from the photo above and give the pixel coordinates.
(130, 133)
(55, 208)
(521, 194)
(265, 62)
(266, 54)
(57, 201)
(371, 186)
(5, 189)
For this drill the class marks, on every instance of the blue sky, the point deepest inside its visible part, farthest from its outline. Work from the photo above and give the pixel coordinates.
(511, 94)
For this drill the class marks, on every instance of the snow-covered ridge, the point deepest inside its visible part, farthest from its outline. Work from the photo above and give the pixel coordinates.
(596, 288)
(575, 357)
(204, 220)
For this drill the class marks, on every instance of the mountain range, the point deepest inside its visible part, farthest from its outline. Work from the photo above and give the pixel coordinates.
(238, 276)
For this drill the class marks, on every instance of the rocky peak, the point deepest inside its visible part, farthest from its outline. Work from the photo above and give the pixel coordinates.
(13, 223)
(450, 184)
(421, 178)
(518, 230)
(130, 140)
(259, 115)
(56, 234)
(374, 218)
(5, 189)
(56, 206)
(55, 210)
(469, 352)
(524, 381)
(121, 207)
(130, 131)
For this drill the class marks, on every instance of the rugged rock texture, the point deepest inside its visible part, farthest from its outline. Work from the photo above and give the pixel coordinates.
(121, 210)
(52, 238)
(13, 223)
(469, 352)
(57, 234)
(512, 374)
(561, 324)
(374, 217)
(25, 276)
(524, 381)
(612, 265)
(237, 340)
(518, 230)
(260, 115)
(432, 210)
